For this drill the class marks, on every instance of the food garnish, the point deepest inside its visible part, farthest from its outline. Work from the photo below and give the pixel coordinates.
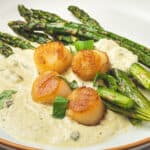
(5, 96)
(84, 45)
(59, 107)
(73, 84)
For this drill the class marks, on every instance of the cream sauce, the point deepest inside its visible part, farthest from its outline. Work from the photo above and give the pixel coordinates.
(119, 57)
(29, 121)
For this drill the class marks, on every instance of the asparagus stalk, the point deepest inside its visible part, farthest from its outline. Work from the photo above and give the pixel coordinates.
(5, 49)
(87, 32)
(141, 75)
(19, 28)
(66, 39)
(15, 41)
(84, 17)
(108, 79)
(81, 30)
(141, 51)
(115, 98)
(68, 28)
(32, 14)
(128, 88)
(128, 113)
(136, 48)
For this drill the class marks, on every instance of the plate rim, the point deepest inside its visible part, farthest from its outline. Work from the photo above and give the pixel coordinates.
(126, 146)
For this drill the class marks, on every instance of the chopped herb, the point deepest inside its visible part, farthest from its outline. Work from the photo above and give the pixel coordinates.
(4, 96)
(84, 45)
(59, 107)
(96, 78)
(73, 84)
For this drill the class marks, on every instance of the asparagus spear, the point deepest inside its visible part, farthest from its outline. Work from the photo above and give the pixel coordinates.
(87, 32)
(127, 87)
(67, 39)
(141, 51)
(127, 113)
(32, 14)
(5, 49)
(22, 29)
(141, 75)
(19, 28)
(68, 28)
(84, 17)
(136, 48)
(110, 80)
(15, 41)
(115, 97)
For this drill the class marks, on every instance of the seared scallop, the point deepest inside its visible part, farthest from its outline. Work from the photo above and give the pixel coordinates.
(52, 56)
(47, 86)
(87, 63)
(85, 106)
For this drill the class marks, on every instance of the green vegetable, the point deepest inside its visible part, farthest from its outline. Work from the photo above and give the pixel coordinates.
(4, 96)
(135, 121)
(141, 51)
(59, 107)
(84, 45)
(141, 74)
(89, 33)
(67, 39)
(128, 88)
(115, 98)
(68, 28)
(108, 79)
(5, 49)
(19, 28)
(32, 14)
(84, 17)
(15, 41)
(136, 48)
(128, 113)
(73, 84)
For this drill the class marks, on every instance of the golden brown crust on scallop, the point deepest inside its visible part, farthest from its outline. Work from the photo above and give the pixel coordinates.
(87, 63)
(85, 106)
(52, 56)
(47, 86)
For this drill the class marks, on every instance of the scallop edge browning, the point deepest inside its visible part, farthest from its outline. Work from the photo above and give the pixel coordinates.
(47, 86)
(85, 106)
(87, 63)
(52, 56)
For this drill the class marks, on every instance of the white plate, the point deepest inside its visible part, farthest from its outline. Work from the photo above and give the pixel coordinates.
(125, 17)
